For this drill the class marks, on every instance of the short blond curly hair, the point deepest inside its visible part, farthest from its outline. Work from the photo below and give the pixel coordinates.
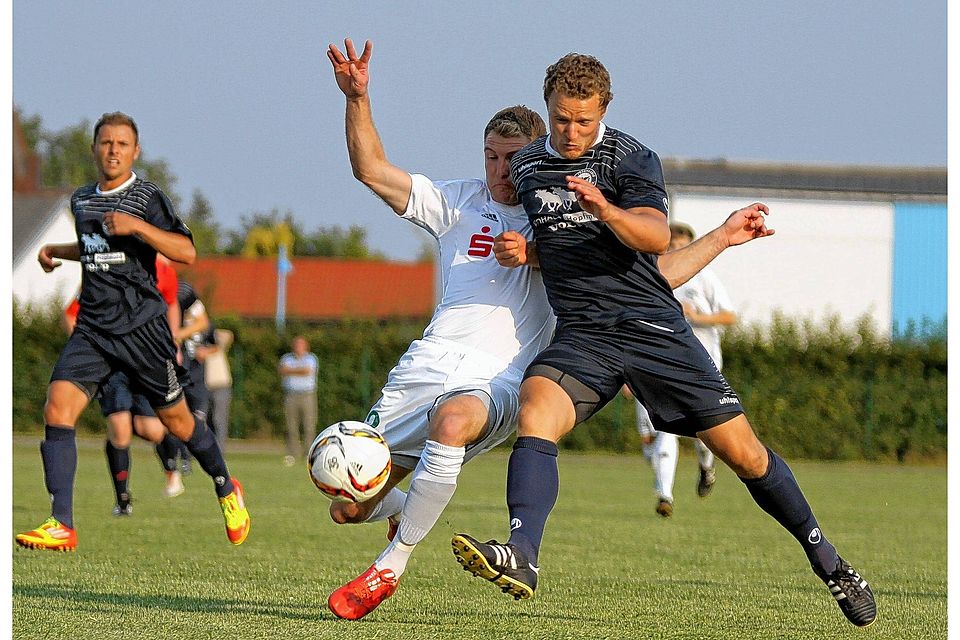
(578, 75)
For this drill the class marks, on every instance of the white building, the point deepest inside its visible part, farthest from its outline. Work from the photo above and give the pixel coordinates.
(42, 218)
(851, 241)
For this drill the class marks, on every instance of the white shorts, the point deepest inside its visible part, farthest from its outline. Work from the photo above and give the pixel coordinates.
(430, 371)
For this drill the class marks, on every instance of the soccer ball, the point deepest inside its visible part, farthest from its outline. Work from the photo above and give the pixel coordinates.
(349, 461)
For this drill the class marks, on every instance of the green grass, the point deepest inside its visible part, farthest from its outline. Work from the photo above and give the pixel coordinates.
(720, 568)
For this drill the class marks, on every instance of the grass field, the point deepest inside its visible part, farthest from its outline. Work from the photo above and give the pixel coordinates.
(720, 568)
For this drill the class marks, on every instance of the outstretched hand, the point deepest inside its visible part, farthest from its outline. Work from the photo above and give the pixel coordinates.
(351, 73)
(744, 225)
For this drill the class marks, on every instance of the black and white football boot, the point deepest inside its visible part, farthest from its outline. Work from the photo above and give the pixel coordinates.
(852, 593)
(502, 564)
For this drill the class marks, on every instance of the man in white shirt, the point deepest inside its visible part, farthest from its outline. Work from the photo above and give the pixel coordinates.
(454, 393)
(298, 374)
(708, 309)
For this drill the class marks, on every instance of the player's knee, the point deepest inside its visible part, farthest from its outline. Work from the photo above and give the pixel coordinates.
(454, 429)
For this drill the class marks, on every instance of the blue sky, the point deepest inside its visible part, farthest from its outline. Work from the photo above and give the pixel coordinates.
(240, 99)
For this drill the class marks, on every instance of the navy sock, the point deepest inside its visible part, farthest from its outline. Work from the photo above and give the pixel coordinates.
(203, 445)
(167, 452)
(778, 493)
(59, 454)
(118, 460)
(533, 484)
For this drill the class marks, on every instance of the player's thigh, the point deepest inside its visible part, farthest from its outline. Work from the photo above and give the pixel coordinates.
(546, 409)
(177, 418)
(65, 402)
(737, 445)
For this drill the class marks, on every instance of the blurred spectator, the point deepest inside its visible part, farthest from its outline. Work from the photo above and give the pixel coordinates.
(298, 373)
(216, 372)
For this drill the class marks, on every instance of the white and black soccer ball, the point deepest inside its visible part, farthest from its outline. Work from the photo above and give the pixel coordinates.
(349, 461)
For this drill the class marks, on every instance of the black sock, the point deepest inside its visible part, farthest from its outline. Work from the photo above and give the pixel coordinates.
(167, 452)
(203, 446)
(533, 484)
(778, 493)
(59, 454)
(118, 460)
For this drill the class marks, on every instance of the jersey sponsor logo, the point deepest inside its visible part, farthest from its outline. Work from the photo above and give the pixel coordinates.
(555, 199)
(94, 243)
(490, 216)
(587, 174)
(481, 244)
(528, 165)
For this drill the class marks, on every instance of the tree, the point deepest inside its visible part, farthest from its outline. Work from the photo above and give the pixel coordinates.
(206, 230)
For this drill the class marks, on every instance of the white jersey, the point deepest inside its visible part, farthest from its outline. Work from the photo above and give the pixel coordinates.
(500, 312)
(489, 325)
(707, 295)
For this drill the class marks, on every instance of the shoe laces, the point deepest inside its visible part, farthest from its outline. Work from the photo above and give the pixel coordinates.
(380, 578)
(848, 582)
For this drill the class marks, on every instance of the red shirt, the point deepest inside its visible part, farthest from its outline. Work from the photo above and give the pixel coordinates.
(166, 284)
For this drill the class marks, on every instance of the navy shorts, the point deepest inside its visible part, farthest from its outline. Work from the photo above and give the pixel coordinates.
(147, 356)
(115, 396)
(661, 361)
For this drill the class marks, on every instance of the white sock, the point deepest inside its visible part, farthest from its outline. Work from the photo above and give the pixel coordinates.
(663, 459)
(704, 454)
(431, 488)
(391, 505)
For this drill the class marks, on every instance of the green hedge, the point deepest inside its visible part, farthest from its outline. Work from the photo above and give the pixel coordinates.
(813, 392)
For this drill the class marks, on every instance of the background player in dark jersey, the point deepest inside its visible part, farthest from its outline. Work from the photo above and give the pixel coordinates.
(596, 200)
(128, 413)
(122, 222)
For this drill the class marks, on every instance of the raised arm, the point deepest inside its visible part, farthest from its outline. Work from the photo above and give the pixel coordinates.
(367, 157)
(743, 225)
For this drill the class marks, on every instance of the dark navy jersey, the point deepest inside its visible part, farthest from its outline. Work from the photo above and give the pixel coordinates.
(590, 276)
(119, 292)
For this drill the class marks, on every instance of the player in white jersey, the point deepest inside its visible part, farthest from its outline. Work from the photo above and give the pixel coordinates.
(707, 308)
(454, 393)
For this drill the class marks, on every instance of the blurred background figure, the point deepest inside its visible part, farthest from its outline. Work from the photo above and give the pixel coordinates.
(216, 374)
(298, 376)
(708, 309)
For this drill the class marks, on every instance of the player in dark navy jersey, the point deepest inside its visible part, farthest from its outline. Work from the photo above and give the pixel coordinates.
(122, 222)
(596, 200)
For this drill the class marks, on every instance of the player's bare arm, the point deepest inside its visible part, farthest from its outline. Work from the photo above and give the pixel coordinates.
(698, 319)
(49, 254)
(513, 250)
(175, 246)
(367, 157)
(641, 228)
(743, 225)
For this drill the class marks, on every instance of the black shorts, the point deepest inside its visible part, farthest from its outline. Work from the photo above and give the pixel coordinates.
(115, 396)
(661, 361)
(147, 356)
(198, 396)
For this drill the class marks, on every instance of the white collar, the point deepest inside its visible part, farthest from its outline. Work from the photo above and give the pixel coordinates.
(549, 146)
(126, 184)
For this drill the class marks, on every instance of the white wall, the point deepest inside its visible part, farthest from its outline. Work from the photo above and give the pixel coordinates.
(826, 257)
(31, 284)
